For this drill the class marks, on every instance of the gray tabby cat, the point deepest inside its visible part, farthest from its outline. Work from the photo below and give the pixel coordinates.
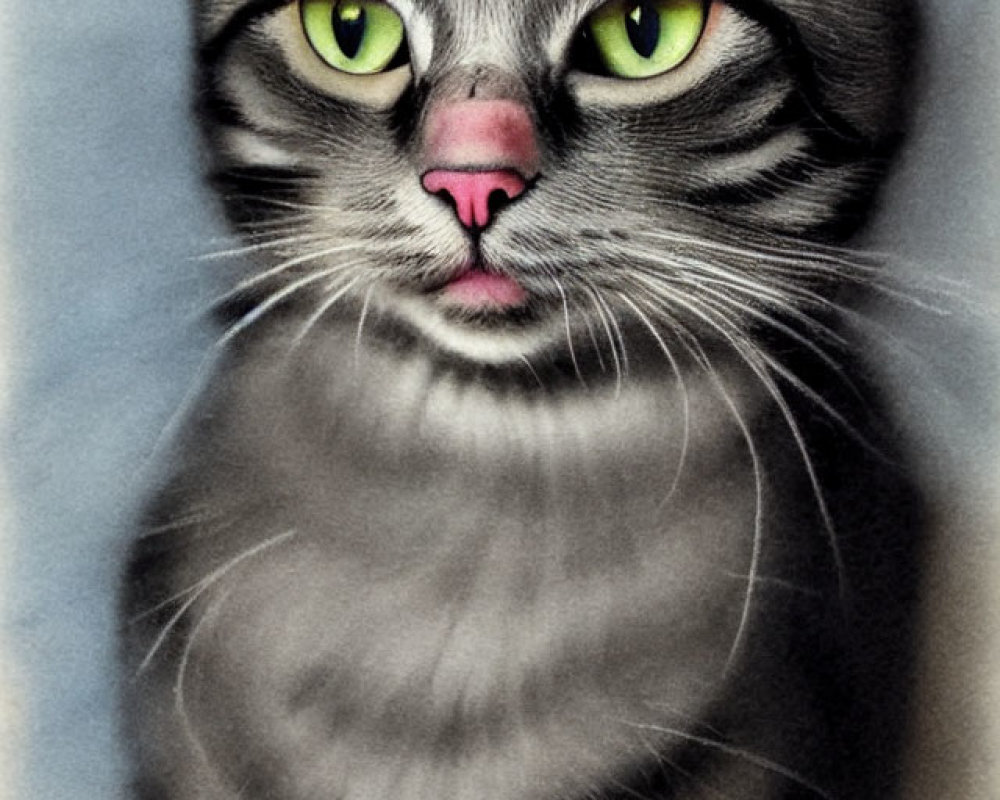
(539, 461)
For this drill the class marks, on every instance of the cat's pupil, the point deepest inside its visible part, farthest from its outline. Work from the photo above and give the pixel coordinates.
(349, 27)
(643, 26)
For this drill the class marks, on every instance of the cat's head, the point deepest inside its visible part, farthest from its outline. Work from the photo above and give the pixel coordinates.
(502, 176)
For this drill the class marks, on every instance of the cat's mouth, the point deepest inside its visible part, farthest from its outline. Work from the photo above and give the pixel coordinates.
(482, 312)
(477, 289)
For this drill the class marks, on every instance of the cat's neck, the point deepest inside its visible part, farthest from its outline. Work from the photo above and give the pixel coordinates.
(603, 465)
(387, 401)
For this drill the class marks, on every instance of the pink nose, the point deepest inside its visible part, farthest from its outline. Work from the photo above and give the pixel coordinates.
(479, 155)
(475, 195)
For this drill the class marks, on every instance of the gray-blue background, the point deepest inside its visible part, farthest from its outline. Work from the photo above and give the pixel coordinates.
(105, 213)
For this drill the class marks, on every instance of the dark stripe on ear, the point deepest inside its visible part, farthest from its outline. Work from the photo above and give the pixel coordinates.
(215, 48)
(800, 60)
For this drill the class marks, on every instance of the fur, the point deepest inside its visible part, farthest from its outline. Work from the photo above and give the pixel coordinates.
(649, 536)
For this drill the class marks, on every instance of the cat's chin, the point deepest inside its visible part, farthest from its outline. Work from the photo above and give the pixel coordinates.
(485, 323)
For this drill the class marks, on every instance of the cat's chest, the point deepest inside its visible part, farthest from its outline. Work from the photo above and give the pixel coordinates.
(396, 465)
(458, 582)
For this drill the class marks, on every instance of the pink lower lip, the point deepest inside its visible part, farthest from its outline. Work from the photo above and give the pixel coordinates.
(478, 289)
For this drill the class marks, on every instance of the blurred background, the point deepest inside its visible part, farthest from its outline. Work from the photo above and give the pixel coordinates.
(101, 218)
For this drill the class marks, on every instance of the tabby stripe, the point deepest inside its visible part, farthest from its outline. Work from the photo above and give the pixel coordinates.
(839, 150)
(730, 86)
(849, 213)
(739, 80)
(767, 184)
(212, 105)
(249, 189)
(829, 206)
(253, 148)
(212, 102)
(781, 118)
(280, 182)
(734, 168)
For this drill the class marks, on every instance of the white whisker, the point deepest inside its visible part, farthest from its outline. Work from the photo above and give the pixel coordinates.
(202, 586)
(289, 204)
(786, 412)
(362, 318)
(278, 269)
(740, 345)
(594, 344)
(270, 244)
(272, 301)
(179, 686)
(524, 360)
(685, 399)
(569, 330)
(698, 352)
(191, 520)
(325, 307)
(758, 518)
(766, 319)
(736, 752)
(603, 316)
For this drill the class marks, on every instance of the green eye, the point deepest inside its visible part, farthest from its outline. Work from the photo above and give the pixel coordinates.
(640, 40)
(357, 36)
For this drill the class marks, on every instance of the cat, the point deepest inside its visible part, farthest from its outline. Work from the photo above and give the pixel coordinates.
(540, 459)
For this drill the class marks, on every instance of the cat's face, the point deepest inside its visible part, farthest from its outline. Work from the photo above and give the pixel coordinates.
(503, 177)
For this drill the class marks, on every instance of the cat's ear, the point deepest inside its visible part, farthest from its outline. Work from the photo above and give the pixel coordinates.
(861, 54)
